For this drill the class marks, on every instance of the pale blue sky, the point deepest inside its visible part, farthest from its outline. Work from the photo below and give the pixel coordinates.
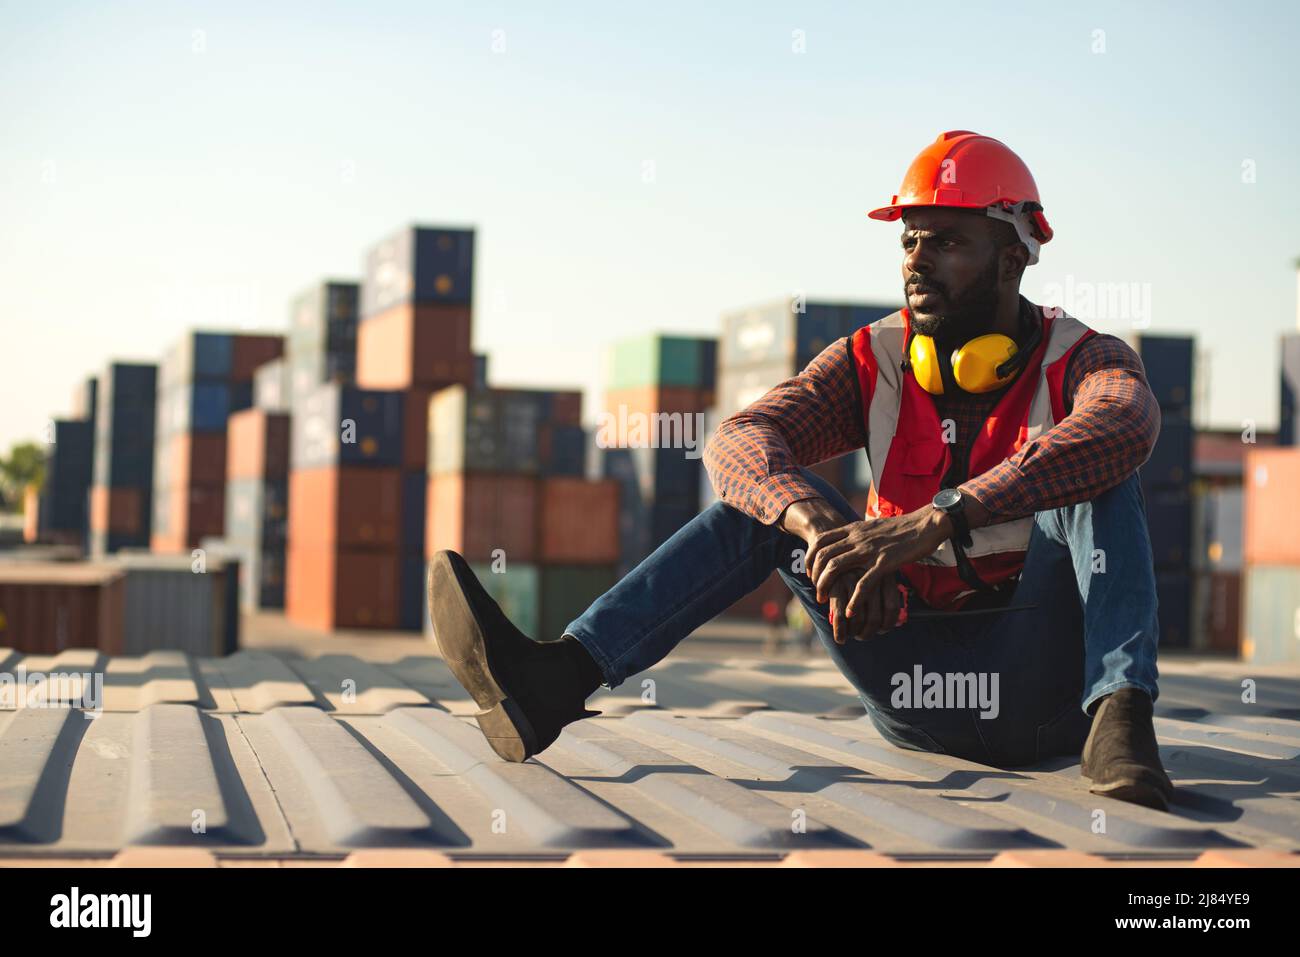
(154, 178)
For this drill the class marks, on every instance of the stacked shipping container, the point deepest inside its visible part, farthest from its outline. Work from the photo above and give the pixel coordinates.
(1167, 481)
(1271, 547)
(63, 508)
(257, 503)
(204, 378)
(122, 493)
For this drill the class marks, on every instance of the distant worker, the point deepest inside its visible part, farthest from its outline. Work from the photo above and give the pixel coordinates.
(774, 618)
(1003, 438)
(801, 625)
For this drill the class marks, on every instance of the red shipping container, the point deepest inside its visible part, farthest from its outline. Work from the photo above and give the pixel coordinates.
(257, 445)
(415, 345)
(328, 588)
(579, 521)
(248, 351)
(47, 607)
(115, 510)
(348, 506)
(198, 458)
(478, 513)
(1223, 615)
(1271, 533)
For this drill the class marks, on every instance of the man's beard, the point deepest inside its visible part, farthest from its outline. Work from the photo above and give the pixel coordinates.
(962, 319)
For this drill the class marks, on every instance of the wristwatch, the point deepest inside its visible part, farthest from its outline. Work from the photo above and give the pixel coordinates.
(949, 501)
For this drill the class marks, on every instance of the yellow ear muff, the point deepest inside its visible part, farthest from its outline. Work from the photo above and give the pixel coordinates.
(924, 359)
(975, 364)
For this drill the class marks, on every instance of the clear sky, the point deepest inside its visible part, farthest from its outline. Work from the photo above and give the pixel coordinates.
(628, 166)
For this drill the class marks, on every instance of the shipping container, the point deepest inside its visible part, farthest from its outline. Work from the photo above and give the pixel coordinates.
(566, 591)
(415, 489)
(329, 589)
(415, 428)
(193, 407)
(31, 513)
(1216, 618)
(418, 264)
(788, 334)
(740, 388)
(514, 587)
(480, 371)
(324, 319)
(1174, 594)
(579, 521)
(561, 449)
(1168, 362)
(1171, 459)
(1271, 626)
(345, 506)
(660, 360)
(486, 431)
(193, 459)
(412, 606)
(257, 512)
(46, 608)
(271, 386)
(1272, 522)
(1219, 523)
(249, 350)
(117, 510)
(1169, 523)
(182, 604)
(84, 399)
(1288, 431)
(198, 356)
(415, 346)
(125, 426)
(257, 445)
(261, 572)
(482, 515)
(344, 425)
(308, 373)
(659, 415)
(185, 515)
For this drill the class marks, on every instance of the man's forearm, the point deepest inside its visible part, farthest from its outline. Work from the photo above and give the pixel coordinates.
(811, 516)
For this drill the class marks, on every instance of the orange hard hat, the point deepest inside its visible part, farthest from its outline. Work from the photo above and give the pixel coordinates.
(969, 171)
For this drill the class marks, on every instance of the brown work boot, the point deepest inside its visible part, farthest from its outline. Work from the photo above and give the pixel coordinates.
(1121, 757)
(526, 690)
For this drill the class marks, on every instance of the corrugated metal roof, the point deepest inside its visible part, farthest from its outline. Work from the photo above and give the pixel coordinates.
(318, 755)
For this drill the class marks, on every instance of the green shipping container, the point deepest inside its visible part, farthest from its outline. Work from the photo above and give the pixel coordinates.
(515, 590)
(567, 591)
(1272, 614)
(657, 360)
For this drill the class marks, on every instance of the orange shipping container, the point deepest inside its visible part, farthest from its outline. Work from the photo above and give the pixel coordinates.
(328, 588)
(625, 407)
(478, 513)
(1271, 520)
(345, 506)
(46, 607)
(257, 445)
(31, 513)
(579, 521)
(115, 510)
(415, 345)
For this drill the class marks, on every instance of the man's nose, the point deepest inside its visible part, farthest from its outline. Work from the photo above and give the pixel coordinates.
(917, 259)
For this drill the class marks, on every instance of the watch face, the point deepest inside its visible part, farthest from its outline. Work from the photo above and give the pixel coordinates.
(947, 498)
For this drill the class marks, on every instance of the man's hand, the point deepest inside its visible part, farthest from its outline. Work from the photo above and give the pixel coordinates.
(876, 615)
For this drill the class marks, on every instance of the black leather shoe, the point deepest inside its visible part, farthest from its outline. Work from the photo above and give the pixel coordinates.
(1121, 756)
(526, 690)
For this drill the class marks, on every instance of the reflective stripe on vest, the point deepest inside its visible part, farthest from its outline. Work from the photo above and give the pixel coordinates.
(909, 457)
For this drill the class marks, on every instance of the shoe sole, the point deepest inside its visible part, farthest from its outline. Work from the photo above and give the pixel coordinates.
(1134, 792)
(462, 642)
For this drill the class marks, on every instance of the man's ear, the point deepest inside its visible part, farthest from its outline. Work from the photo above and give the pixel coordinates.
(1014, 260)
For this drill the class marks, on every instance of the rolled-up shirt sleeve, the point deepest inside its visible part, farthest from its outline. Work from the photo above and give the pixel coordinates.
(1108, 432)
(754, 457)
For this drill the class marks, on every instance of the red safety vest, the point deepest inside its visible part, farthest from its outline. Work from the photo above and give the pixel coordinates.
(909, 457)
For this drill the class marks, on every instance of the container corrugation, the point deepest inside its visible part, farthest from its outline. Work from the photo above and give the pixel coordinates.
(514, 586)
(1271, 623)
(1271, 521)
(46, 608)
(257, 445)
(250, 350)
(480, 515)
(332, 588)
(345, 506)
(415, 345)
(271, 386)
(180, 604)
(485, 431)
(566, 591)
(1168, 362)
(345, 425)
(579, 521)
(418, 264)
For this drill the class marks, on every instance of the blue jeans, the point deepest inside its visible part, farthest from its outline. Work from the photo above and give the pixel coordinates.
(1088, 572)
